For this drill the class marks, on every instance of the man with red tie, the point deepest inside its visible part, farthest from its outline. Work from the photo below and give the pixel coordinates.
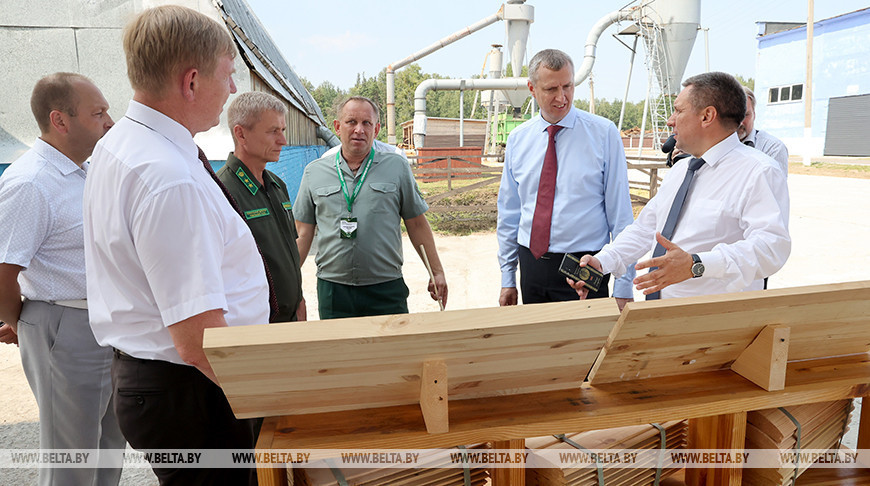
(564, 189)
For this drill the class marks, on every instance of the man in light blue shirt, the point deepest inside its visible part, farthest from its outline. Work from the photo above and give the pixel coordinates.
(590, 204)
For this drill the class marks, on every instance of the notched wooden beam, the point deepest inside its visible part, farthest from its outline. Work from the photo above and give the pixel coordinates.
(433, 396)
(763, 362)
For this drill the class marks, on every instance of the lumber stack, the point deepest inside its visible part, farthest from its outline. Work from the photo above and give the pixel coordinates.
(432, 473)
(822, 426)
(616, 440)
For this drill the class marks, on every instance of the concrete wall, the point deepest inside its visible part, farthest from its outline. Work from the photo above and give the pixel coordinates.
(841, 66)
(39, 37)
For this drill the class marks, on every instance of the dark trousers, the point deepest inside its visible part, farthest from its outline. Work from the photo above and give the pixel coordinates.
(162, 405)
(541, 281)
(335, 300)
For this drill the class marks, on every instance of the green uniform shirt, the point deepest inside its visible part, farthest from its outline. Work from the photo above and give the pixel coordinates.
(267, 210)
(389, 195)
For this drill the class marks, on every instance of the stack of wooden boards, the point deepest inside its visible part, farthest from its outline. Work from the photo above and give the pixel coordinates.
(822, 425)
(616, 440)
(432, 473)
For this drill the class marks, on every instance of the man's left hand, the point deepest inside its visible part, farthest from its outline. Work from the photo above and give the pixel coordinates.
(674, 266)
(441, 284)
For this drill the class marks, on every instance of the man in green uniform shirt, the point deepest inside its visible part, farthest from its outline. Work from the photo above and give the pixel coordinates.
(256, 121)
(357, 199)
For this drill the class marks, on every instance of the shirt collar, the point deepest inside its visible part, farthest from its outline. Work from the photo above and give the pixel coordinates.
(566, 122)
(162, 124)
(751, 137)
(234, 163)
(715, 153)
(57, 159)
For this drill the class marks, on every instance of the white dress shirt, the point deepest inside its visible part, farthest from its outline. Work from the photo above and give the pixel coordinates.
(162, 243)
(591, 204)
(770, 145)
(41, 221)
(735, 218)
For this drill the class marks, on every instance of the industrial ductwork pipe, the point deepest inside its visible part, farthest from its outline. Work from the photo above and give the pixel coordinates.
(450, 39)
(508, 83)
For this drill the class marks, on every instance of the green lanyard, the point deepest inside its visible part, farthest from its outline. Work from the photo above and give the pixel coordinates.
(362, 178)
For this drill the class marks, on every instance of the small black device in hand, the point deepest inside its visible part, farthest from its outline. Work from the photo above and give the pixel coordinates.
(590, 277)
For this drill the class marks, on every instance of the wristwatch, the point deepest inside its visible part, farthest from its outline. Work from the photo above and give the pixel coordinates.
(697, 266)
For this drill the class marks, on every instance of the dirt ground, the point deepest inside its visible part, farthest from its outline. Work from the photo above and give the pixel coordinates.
(474, 281)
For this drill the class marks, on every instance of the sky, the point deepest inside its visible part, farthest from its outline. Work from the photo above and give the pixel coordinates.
(334, 41)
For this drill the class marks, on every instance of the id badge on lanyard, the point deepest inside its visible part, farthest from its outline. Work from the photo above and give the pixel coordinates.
(347, 227)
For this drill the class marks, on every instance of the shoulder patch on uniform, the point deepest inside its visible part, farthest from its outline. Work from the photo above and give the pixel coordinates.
(256, 213)
(287, 206)
(243, 176)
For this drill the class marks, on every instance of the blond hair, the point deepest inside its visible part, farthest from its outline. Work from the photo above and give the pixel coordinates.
(246, 109)
(161, 42)
(55, 92)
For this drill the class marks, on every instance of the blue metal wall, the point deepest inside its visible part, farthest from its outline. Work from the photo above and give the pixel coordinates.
(291, 165)
(841, 66)
(3, 167)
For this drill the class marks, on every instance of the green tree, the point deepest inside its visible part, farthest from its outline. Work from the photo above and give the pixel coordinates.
(748, 82)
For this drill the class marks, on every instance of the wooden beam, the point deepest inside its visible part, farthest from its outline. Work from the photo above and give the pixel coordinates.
(266, 474)
(726, 432)
(433, 396)
(597, 407)
(368, 362)
(763, 362)
(864, 427)
(706, 333)
(509, 476)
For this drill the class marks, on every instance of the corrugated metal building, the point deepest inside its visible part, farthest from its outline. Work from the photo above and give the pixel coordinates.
(841, 84)
(39, 37)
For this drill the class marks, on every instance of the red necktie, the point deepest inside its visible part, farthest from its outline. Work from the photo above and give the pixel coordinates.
(273, 299)
(539, 241)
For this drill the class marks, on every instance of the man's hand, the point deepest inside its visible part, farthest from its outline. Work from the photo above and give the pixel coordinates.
(441, 284)
(508, 296)
(8, 335)
(674, 266)
(579, 286)
(621, 303)
(301, 311)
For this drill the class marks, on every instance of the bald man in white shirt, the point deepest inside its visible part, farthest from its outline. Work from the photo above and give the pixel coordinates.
(42, 259)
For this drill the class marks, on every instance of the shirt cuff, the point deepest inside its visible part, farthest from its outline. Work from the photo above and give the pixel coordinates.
(608, 265)
(508, 279)
(714, 264)
(623, 289)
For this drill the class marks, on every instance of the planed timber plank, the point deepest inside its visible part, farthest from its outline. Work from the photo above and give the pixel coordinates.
(602, 406)
(727, 431)
(696, 334)
(348, 364)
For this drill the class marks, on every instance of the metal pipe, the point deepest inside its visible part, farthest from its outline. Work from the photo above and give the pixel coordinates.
(507, 83)
(594, 35)
(391, 69)
(627, 83)
(453, 85)
(462, 115)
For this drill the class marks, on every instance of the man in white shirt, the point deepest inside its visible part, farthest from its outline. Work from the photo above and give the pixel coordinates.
(167, 254)
(733, 227)
(760, 139)
(42, 259)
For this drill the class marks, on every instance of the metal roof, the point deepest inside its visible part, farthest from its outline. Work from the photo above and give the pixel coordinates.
(264, 57)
